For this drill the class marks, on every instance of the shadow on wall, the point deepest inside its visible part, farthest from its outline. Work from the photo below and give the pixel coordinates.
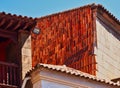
(22, 40)
(29, 84)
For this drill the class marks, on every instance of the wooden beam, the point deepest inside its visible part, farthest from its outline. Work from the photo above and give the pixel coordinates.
(17, 25)
(25, 27)
(9, 24)
(8, 34)
(2, 22)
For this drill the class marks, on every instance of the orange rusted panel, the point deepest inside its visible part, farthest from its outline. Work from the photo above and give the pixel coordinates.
(66, 38)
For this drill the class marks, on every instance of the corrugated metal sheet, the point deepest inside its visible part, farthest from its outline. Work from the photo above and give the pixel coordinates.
(66, 38)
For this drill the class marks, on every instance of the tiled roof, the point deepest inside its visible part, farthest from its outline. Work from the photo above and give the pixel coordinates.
(12, 22)
(99, 6)
(19, 17)
(71, 71)
(94, 6)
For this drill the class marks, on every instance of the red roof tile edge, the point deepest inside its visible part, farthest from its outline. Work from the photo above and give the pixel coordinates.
(18, 16)
(93, 5)
(109, 13)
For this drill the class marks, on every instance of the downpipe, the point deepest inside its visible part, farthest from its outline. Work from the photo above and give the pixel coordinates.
(25, 81)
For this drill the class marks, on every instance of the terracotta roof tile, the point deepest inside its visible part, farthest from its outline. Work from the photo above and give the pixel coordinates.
(12, 22)
(93, 5)
(71, 71)
(99, 6)
(3, 14)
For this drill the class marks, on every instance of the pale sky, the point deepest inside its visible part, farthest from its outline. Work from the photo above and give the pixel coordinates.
(38, 8)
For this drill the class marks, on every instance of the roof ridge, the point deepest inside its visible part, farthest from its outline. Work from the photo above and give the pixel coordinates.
(99, 6)
(19, 16)
(68, 10)
(93, 6)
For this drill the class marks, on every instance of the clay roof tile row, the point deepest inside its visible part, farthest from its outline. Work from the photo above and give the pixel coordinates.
(93, 6)
(14, 22)
(25, 18)
(71, 71)
(99, 6)
(14, 16)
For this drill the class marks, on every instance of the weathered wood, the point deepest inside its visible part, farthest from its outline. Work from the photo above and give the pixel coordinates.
(7, 86)
(8, 34)
(8, 76)
(8, 64)
(15, 23)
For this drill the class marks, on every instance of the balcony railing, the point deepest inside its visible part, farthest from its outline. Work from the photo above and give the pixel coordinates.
(8, 74)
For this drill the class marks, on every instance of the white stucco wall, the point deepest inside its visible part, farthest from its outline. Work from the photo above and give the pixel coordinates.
(52, 79)
(48, 84)
(107, 52)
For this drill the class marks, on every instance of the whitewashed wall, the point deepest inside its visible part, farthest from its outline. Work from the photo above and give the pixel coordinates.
(49, 84)
(52, 79)
(107, 52)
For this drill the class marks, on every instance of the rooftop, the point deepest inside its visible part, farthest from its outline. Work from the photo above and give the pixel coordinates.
(71, 71)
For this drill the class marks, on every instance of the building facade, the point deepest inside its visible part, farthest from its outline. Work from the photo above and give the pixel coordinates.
(66, 38)
(85, 38)
(14, 30)
(60, 76)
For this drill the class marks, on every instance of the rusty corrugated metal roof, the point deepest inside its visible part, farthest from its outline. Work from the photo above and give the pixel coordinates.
(71, 71)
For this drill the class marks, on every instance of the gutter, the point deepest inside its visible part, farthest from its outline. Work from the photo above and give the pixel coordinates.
(25, 81)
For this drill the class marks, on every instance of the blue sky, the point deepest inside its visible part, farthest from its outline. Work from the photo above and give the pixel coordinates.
(38, 8)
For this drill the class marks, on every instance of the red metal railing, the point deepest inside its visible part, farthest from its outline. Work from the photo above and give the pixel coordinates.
(8, 73)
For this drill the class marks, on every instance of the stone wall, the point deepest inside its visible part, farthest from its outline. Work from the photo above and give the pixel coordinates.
(107, 51)
(25, 46)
